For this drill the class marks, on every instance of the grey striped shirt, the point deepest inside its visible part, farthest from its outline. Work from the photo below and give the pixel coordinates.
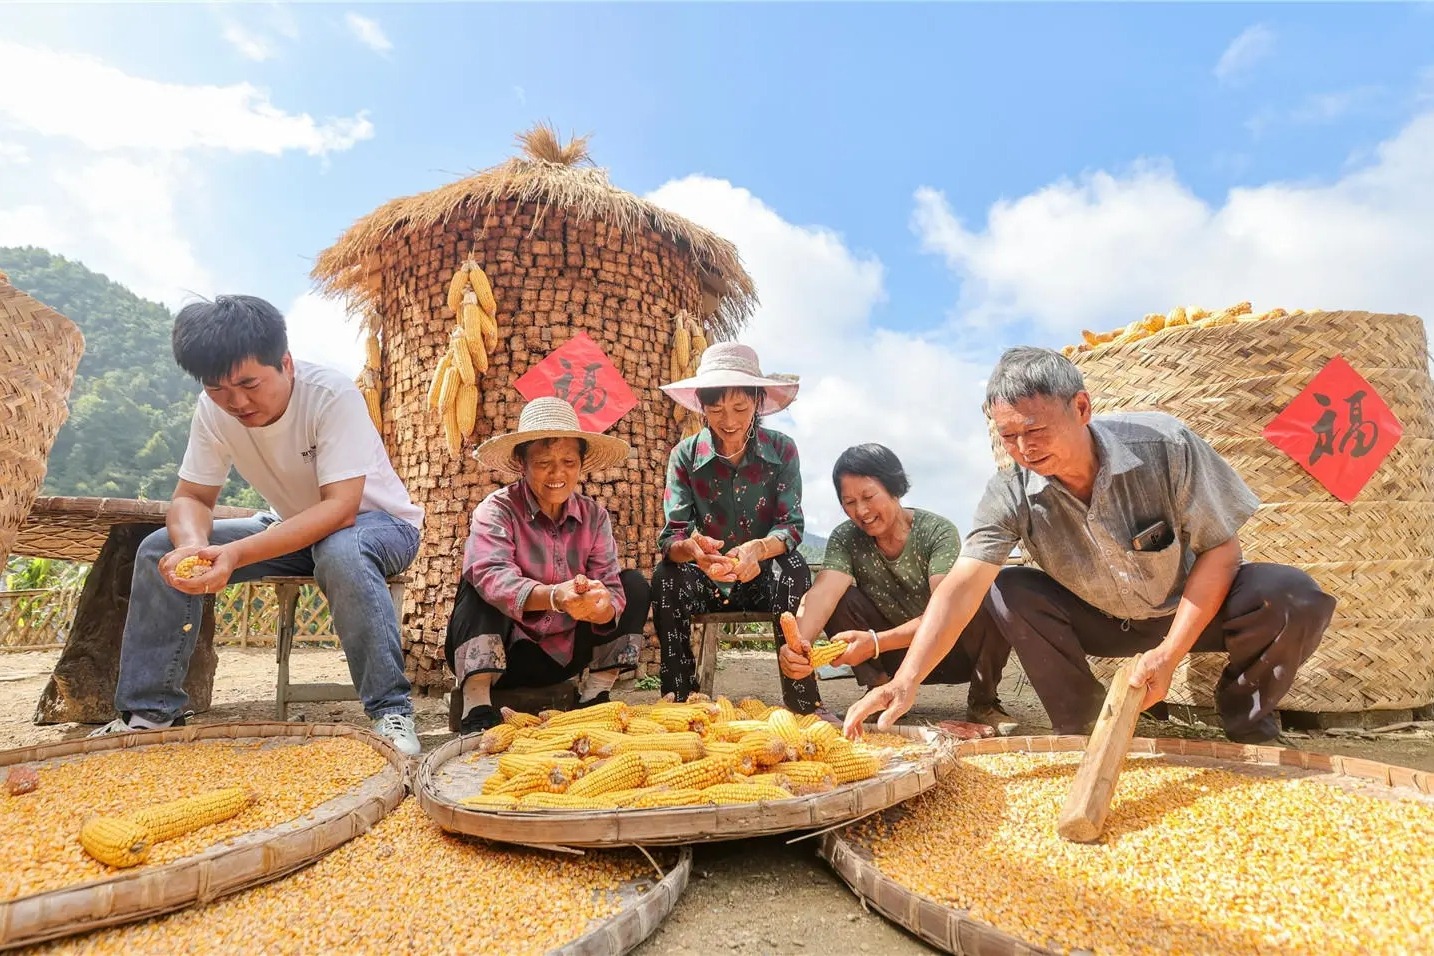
(1152, 467)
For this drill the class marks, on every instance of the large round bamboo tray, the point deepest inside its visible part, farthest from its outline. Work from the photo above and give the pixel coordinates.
(645, 905)
(443, 780)
(951, 930)
(237, 864)
(40, 350)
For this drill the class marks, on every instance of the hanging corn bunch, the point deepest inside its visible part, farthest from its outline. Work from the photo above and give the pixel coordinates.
(455, 392)
(370, 380)
(1155, 323)
(697, 345)
(688, 344)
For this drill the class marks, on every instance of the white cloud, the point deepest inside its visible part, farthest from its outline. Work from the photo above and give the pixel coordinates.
(249, 44)
(368, 32)
(1318, 109)
(322, 331)
(1246, 50)
(30, 225)
(14, 154)
(1108, 248)
(103, 108)
(860, 383)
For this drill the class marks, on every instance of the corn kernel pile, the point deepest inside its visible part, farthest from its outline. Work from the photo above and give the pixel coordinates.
(42, 851)
(666, 755)
(403, 887)
(192, 567)
(1155, 322)
(1194, 860)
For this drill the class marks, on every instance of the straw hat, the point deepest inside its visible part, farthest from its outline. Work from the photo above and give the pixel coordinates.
(550, 417)
(732, 365)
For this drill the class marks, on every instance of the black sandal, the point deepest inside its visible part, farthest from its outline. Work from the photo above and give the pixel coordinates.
(479, 719)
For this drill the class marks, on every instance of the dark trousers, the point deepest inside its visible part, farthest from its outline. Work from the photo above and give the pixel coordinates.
(481, 640)
(682, 590)
(977, 659)
(1271, 622)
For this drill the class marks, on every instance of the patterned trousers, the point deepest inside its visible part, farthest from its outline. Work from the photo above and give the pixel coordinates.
(681, 590)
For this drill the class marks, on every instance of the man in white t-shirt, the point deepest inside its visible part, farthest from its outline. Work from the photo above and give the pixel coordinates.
(300, 434)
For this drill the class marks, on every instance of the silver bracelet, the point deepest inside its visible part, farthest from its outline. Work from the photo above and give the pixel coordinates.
(553, 596)
(875, 641)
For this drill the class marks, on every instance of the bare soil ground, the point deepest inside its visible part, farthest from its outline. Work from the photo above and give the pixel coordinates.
(750, 896)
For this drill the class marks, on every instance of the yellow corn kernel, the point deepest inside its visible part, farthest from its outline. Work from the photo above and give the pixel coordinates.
(622, 772)
(741, 763)
(644, 725)
(510, 764)
(462, 358)
(771, 780)
(726, 710)
(435, 388)
(456, 287)
(823, 653)
(494, 782)
(851, 767)
(165, 821)
(784, 725)
(555, 780)
(114, 841)
(696, 775)
(519, 719)
(538, 800)
(478, 279)
(192, 567)
(597, 715)
(726, 793)
(753, 707)
(809, 773)
(656, 761)
(529, 742)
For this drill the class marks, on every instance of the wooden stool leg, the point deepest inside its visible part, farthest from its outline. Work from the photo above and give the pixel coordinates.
(707, 661)
(288, 597)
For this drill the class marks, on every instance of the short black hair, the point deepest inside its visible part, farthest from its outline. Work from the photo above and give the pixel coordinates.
(872, 461)
(711, 396)
(211, 339)
(520, 451)
(1027, 371)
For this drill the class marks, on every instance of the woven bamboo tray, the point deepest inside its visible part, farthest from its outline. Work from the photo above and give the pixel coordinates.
(951, 930)
(443, 780)
(645, 904)
(256, 857)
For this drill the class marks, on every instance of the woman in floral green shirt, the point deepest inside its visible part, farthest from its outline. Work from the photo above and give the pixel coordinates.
(733, 505)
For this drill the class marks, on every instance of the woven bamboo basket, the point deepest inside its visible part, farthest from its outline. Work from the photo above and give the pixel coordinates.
(1375, 555)
(951, 929)
(256, 857)
(645, 905)
(40, 350)
(443, 780)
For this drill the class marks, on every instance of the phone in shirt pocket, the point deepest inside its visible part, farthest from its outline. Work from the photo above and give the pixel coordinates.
(1154, 536)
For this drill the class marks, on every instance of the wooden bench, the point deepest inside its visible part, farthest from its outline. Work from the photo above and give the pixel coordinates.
(286, 592)
(707, 632)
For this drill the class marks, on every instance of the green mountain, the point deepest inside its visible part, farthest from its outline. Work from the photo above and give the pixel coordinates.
(130, 405)
(813, 547)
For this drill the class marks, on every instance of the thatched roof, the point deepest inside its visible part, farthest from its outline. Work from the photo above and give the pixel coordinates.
(550, 174)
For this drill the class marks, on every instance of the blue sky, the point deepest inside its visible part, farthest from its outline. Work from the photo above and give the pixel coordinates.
(928, 182)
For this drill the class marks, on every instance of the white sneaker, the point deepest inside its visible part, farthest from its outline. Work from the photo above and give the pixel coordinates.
(120, 726)
(398, 728)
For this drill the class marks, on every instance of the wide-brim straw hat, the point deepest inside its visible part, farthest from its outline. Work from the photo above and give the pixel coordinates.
(550, 417)
(732, 365)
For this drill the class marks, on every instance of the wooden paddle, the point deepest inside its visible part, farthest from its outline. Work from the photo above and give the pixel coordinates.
(1083, 817)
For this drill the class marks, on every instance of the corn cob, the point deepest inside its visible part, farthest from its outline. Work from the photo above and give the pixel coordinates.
(726, 710)
(456, 287)
(466, 411)
(165, 821)
(471, 315)
(728, 793)
(765, 747)
(784, 725)
(532, 743)
(448, 386)
(699, 342)
(511, 764)
(375, 408)
(539, 800)
(497, 739)
(753, 707)
(806, 772)
(452, 435)
(373, 353)
(725, 733)
(462, 357)
(519, 719)
(435, 388)
(493, 783)
(681, 343)
(491, 801)
(612, 709)
(192, 567)
(684, 797)
(488, 331)
(622, 772)
(644, 725)
(850, 767)
(656, 761)
(741, 763)
(697, 774)
(554, 780)
(685, 744)
(478, 279)
(771, 780)
(115, 841)
(824, 652)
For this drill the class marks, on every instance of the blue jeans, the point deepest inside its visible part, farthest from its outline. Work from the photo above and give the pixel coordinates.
(349, 565)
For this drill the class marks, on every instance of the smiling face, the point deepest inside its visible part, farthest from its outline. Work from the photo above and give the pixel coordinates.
(254, 393)
(731, 416)
(1047, 435)
(552, 468)
(869, 505)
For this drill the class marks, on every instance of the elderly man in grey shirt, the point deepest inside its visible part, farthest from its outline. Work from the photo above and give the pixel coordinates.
(1133, 523)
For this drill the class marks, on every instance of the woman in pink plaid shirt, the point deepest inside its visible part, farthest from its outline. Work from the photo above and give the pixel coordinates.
(542, 598)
